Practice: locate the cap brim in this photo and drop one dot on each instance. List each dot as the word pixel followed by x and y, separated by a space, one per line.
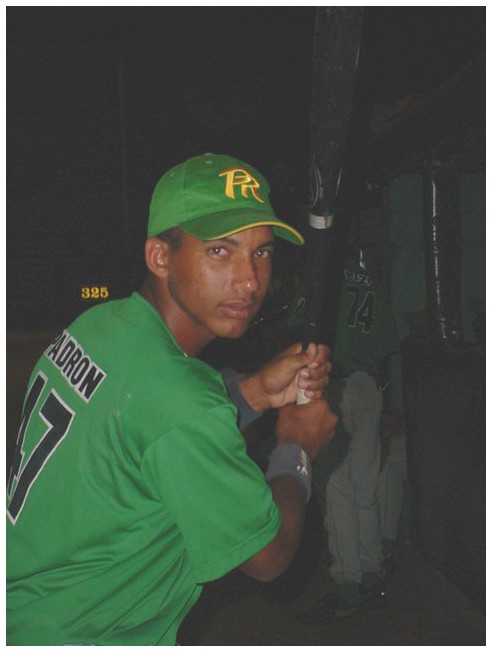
pixel 226 223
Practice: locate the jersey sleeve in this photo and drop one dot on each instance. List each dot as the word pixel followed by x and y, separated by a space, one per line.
pixel 217 495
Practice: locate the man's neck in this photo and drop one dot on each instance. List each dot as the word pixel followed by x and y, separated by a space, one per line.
pixel 190 337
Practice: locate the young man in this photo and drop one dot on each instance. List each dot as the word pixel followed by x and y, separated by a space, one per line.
pixel 130 486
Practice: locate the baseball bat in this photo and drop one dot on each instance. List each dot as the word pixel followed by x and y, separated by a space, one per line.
pixel 336 52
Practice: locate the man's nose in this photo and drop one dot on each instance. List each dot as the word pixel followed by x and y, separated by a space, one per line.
pixel 247 276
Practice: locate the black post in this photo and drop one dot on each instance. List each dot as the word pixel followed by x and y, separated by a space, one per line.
pixel 442 248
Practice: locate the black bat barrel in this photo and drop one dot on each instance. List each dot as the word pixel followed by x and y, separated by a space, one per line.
pixel 336 51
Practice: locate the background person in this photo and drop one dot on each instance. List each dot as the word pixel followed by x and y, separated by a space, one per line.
pixel 347 479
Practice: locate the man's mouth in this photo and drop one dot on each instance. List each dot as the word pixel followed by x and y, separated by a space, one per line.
pixel 238 310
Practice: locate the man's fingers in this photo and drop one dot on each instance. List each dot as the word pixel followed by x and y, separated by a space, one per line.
pixel 322 356
pixel 309 356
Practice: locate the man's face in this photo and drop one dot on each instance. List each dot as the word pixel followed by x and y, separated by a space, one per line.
pixel 217 286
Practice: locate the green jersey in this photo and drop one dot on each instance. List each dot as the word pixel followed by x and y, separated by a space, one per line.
pixel 130 486
pixel 365 331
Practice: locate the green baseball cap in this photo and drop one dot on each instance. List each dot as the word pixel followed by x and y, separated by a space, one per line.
pixel 213 196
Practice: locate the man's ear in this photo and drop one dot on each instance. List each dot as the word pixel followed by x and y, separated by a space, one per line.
pixel 157 256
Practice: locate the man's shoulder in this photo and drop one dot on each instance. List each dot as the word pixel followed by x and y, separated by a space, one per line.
pixel 187 377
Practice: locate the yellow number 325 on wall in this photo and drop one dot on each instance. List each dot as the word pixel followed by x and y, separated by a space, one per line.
pixel 95 292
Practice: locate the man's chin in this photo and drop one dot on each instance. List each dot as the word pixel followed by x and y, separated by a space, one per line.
pixel 234 331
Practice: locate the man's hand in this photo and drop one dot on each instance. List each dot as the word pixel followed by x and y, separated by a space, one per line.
pixel 276 384
pixel 311 426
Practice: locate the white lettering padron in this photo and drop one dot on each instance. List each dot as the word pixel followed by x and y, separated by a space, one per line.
pixel 75 365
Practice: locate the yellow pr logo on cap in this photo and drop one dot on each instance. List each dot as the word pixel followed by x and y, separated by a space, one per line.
pixel 240 177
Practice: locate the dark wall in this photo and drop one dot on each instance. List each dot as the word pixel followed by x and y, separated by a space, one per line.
pixel 102 101
pixel 445 405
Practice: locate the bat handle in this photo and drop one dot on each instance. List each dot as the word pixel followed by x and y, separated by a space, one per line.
pixel 302 399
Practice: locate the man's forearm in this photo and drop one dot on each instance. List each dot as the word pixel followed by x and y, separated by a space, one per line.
pixel 290 499
pixel 274 559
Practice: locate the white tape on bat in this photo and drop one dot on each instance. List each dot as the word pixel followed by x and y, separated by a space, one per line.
pixel 320 221
pixel 302 399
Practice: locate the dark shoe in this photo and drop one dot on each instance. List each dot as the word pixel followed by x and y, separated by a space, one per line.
pixel 374 596
pixel 330 608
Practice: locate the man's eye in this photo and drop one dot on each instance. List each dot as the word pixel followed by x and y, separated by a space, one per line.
pixel 218 251
pixel 264 253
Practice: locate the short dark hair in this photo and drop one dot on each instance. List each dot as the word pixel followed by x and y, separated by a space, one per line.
pixel 173 236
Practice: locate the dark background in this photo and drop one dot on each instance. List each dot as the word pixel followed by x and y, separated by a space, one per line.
pixel 101 101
